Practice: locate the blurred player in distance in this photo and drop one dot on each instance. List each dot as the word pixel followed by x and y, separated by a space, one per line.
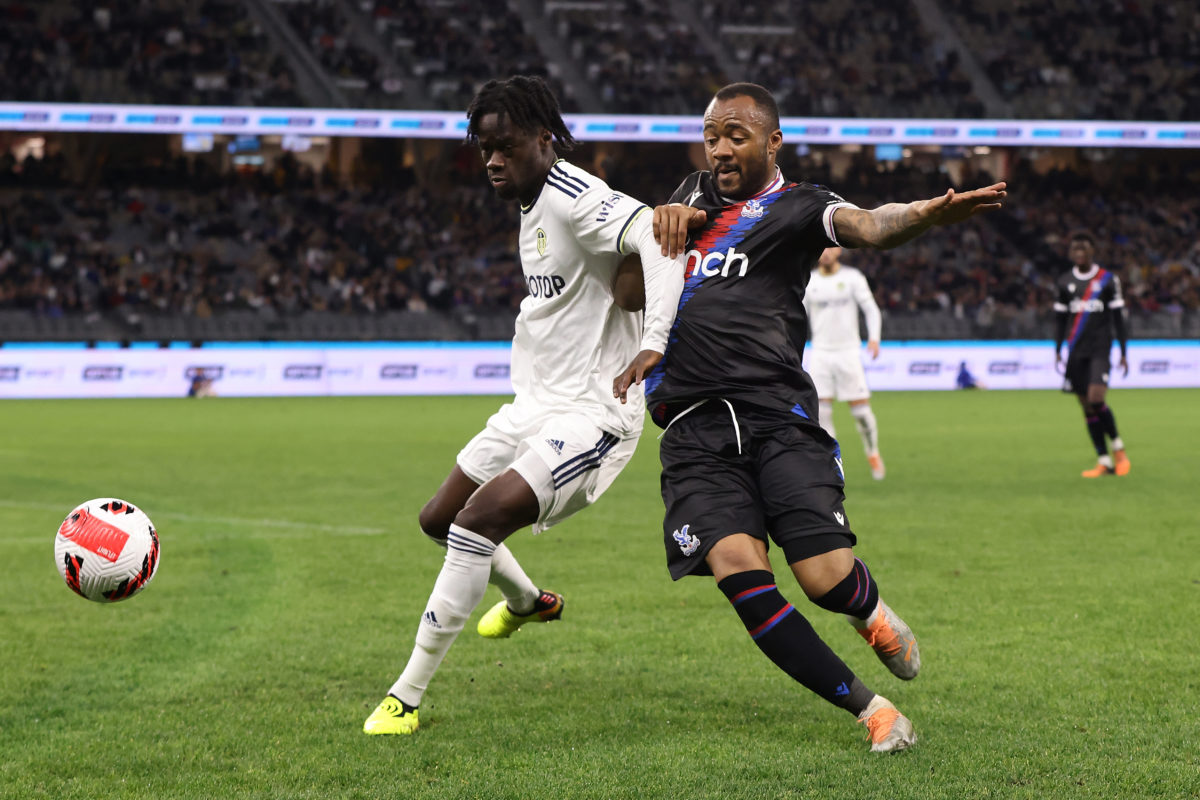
pixel 1089 308
pixel 563 439
pixel 744 460
pixel 832 300
pixel 965 380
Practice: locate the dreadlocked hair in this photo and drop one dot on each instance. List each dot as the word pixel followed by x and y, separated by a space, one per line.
pixel 527 102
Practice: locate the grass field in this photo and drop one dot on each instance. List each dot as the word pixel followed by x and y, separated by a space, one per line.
pixel 1056 616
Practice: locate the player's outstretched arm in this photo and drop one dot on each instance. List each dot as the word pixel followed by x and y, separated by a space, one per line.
pixel 894 224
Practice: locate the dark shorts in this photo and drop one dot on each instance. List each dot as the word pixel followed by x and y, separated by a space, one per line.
pixel 785 486
pixel 1084 371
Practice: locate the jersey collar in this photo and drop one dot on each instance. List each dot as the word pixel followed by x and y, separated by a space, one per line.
pixel 1086 276
pixel 774 186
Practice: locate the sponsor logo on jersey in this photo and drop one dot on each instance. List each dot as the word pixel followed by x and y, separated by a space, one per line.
pixel 545 285
pixel 541 242
pixel 695 194
pixel 1092 304
pixel 710 264
pixel 687 542
pixel 753 209
pixel 608 205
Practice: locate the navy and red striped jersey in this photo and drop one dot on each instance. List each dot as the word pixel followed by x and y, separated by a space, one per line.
pixel 1090 299
pixel 746 271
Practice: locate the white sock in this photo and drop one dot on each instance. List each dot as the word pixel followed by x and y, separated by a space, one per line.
pixel 507 575
pixel 825 412
pixel 459 588
pixel 1117 444
pixel 1106 460
pixel 864 418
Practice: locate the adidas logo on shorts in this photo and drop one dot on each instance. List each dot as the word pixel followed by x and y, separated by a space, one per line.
pixel 556 444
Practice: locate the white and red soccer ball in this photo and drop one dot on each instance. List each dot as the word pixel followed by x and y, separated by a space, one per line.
pixel 106 550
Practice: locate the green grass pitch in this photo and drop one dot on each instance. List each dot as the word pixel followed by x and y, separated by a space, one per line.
pixel 1056 615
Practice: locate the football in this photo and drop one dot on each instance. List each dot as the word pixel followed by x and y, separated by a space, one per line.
pixel 106 550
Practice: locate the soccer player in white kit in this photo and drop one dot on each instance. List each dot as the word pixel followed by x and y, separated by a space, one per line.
pixel 564 438
pixel 834 296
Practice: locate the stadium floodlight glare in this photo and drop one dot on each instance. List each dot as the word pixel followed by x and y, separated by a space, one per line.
pixel 100 117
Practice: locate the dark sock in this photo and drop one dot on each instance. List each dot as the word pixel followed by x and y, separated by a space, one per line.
pixel 856 595
pixel 1096 429
pixel 786 637
pixel 1109 422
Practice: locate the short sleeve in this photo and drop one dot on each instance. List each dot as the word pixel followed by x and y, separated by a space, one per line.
pixel 1117 300
pixel 1062 302
pixel 601 218
pixel 814 215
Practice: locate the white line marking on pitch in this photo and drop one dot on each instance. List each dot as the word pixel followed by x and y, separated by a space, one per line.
pixel 337 530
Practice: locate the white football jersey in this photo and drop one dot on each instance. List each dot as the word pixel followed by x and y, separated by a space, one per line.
pixel 832 303
pixel 571 341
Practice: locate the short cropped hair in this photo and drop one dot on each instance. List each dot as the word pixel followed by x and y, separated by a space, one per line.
pixel 761 97
pixel 1082 236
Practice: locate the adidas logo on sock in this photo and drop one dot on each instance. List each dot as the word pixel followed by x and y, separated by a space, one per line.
pixel 431 620
pixel 557 444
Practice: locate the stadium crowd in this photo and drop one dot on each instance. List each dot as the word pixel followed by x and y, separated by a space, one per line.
pixel 157 51
pixel 1103 60
pixel 1106 60
pixel 290 240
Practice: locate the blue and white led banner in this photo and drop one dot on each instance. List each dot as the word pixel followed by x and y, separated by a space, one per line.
pixel 586 127
pixel 432 368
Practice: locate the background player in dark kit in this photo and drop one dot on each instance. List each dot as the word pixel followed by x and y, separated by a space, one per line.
pixel 1088 309
pixel 743 454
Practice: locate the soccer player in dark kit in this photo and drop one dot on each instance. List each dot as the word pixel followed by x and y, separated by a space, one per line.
pixel 1088 309
pixel 744 459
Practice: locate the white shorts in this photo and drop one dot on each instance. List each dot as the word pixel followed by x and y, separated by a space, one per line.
pixel 838 374
pixel 564 457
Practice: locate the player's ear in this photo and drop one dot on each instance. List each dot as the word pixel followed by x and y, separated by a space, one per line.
pixel 774 142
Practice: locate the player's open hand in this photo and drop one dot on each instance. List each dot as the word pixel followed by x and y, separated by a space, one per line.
pixel 873 349
pixel 955 206
pixel 671 226
pixel 642 363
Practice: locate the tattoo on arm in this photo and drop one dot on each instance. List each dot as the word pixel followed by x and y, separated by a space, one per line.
pixel 888 226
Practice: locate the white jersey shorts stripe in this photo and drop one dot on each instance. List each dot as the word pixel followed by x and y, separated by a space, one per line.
pixel 566 458
pixel 569 470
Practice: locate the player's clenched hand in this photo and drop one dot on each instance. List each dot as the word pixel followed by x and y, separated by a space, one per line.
pixel 642 363
pixel 1124 364
pixel 954 206
pixel 671 225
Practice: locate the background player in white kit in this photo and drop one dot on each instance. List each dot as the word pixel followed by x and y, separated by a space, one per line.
pixel 564 438
pixel 832 301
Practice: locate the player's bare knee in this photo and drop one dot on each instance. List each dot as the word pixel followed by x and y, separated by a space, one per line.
pixel 434 521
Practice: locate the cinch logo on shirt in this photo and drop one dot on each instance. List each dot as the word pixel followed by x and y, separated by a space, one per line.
pixel 545 285
pixel 1094 304
pixel 709 264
